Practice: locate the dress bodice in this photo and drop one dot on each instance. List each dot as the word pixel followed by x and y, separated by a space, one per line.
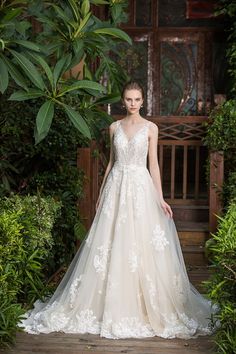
pixel 131 151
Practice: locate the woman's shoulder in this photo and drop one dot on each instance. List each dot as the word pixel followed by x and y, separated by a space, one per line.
pixel 152 126
pixel 113 126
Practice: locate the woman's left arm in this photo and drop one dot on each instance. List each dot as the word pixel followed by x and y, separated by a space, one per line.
pixel 154 167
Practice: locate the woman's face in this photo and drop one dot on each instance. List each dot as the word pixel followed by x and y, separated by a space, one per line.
pixel 132 100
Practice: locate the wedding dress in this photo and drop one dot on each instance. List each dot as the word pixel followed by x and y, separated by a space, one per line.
pixel 128 278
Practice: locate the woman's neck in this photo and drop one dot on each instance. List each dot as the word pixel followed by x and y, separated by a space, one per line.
pixel 131 118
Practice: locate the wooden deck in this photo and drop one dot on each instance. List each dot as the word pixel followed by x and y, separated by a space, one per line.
pixel 59 343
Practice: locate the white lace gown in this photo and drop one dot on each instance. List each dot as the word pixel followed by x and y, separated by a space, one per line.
pixel 128 278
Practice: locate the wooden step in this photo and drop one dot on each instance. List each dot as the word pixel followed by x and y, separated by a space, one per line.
pixel 193 238
pixel 183 225
pixel 192 233
pixel 197 213
pixel 194 255
pixel 197 275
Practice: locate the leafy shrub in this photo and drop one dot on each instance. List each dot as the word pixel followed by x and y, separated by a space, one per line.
pixel 49 167
pixel 228 9
pixel 25 246
pixel 221 136
pixel 221 286
pixel 221 127
pixel 229 188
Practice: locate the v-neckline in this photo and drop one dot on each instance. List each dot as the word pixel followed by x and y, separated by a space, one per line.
pixel 133 136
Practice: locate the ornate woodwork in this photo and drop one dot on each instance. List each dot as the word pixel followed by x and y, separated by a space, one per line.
pixel 178 55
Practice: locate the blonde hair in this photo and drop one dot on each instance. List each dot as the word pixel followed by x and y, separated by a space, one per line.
pixel 132 85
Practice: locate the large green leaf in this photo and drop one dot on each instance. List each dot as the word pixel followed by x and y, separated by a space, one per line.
pixel 107 99
pixel 15 74
pixel 23 95
pixel 74 9
pixel 78 46
pixel 28 45
pixel 44 120
pixel 61 66
pixel 61 14
pixel 29 69
pixel 99 2
pixel 115 32
pixel 4 79
pixel 38 59
pixel 82 24
pixel 85 7
pixel 11 13
pixel 78 121
pixel 83 84
pixel 21 27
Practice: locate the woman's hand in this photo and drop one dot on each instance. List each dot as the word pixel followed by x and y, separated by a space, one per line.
pixel 167 209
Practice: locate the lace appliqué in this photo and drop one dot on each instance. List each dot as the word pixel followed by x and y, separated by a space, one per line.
pixel 132 327
pixel 113 180
pixel 87 322
pixel 133 260
pixel 100 260
pixel 181 287
pixel 159 241
pixel 152 291
pixel 74 289
pixel 127 327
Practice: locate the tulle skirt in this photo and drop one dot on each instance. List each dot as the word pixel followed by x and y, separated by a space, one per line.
pixel 128 279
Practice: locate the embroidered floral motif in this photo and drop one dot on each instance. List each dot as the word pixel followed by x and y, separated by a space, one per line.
pixel 159 241
pixel 73 289
pixel 152 291
pixel 180 287
pixel 126 177
pixel 113 181
pixel 87 322
pixel 132 327
pixel 106 327
pixel 133 260
pixel 100 260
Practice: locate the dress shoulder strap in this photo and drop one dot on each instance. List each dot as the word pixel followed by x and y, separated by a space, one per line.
pixel 117 124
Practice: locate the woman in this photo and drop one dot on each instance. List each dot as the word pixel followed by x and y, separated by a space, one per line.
pixel 128 279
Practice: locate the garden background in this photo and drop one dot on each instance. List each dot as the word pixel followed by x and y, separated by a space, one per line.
pixel 57 76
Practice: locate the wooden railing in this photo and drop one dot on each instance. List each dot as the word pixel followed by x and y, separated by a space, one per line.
pixel 175 134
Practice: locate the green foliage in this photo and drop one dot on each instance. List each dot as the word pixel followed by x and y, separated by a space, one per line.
pixel 221 127
pixel 49 167
pixel 228 9
pixel 25 247
pixel 222 285
pixel 229 188
pixel 38 62
pixel 221 136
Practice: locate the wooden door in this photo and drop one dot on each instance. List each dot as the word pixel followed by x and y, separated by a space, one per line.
pixel 178 57
pixel 173 57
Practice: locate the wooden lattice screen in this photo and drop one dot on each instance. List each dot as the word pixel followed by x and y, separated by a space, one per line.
pixel 181 155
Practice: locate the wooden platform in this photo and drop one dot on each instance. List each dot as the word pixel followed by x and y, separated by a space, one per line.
pixel 58 343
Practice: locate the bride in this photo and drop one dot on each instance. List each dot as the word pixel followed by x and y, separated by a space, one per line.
pixel 128 279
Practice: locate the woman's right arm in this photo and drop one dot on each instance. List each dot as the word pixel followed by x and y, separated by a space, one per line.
pixel 110 163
